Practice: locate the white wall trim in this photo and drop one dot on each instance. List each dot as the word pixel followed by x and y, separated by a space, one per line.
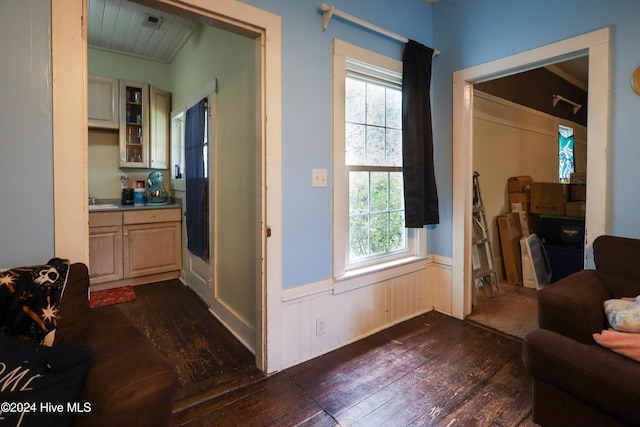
pixel 70 138
pixel 353 314
pixel 566 76
pixel 512 123
pixel 310 290
pixel 597 45
pixel 234 324
pixel 441 261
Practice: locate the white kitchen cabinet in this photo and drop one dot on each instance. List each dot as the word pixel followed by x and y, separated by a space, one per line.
pixel 144 126
pixel 132 247
pixel 103 102
pixel 134 124
pixel 105 247
pixel 160 106
pixel 152 242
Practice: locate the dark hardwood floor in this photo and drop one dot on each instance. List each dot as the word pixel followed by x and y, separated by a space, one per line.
pixel 432 370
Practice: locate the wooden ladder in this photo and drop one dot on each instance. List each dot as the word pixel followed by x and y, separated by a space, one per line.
pixel 484 263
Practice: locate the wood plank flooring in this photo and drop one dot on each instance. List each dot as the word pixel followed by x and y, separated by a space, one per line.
pixel 207 357
pixel 432 370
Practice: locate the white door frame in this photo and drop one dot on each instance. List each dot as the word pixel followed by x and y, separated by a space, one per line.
pixel 596 44
pixel 71 212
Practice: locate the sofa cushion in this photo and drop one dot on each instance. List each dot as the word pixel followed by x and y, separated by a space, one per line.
pixel 37 375
pixel 30 300
pixel 130 382
pixel 74 308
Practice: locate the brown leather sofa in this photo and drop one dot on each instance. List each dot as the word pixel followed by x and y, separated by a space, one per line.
pixel 576 381
pixel 130 382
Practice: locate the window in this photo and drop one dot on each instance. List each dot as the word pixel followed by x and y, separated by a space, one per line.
pixel 205 145
pixel 373 159
pixel 177 145
pixel 369 228
pixel 566 161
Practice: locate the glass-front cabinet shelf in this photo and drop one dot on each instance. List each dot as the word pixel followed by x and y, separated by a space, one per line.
pixel 134 124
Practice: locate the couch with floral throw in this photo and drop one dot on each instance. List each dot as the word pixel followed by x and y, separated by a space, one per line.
pixel 63 363
pixel 587 372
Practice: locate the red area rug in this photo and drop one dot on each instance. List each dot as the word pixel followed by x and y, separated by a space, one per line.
pixel 112 296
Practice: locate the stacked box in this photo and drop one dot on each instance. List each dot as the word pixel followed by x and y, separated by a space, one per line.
pixel 575 209
pixel 519 199
pixel 510 234
pixel 576 206
pixel 577 192
pixel 519 184
pixel 549 198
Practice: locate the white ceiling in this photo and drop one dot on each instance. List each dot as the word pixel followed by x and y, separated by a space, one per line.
pixel 126 27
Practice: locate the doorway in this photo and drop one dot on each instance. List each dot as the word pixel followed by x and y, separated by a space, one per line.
pixel 516 130
pixel 70 141
pixel 594 44
pixel 226 274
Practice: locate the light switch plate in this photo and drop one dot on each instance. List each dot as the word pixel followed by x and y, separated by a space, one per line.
pixel 318 178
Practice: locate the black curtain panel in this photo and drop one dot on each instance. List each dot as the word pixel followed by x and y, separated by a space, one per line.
pixel 420 194
pixel 197 183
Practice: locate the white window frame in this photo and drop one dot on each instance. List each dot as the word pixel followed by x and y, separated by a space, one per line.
pixel 343 54
pixel 177 149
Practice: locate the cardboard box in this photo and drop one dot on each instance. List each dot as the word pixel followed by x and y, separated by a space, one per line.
pixel 519 207
pixel 577 193
pixel 517 184
pixel 510 234
pixel 549 198
pixel 523 223
pixel 520 197
pixel 576 209
pixel 519 201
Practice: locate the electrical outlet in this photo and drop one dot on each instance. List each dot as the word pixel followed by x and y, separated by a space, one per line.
pixel 320 326
pixel 318 177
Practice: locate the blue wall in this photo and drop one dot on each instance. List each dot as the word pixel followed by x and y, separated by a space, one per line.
pixel 467 32
pixel 471 32
pixel 26 152
pixel 307 109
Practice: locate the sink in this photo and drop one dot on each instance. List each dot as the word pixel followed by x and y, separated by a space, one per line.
pixel 102 207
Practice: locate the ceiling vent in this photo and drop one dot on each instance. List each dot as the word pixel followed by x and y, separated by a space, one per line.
pixel 153 22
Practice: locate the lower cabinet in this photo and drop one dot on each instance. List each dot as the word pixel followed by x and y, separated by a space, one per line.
pixel 152 241
pixel 105 246
pixel 134 247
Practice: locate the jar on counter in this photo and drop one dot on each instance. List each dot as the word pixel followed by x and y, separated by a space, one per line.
pixel 138 196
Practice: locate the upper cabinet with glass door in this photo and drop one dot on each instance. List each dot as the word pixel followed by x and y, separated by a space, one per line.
pixel 134 124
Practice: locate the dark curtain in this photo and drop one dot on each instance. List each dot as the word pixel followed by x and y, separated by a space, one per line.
pixel 197 182
pixel 420 194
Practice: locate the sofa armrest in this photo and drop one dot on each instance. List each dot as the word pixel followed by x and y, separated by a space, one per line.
pixel 593 374
pixel 573 306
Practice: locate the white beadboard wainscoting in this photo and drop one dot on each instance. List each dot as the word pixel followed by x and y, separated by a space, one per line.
pixel 350 313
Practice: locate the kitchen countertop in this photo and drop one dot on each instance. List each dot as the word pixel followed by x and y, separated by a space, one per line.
pixel 111 205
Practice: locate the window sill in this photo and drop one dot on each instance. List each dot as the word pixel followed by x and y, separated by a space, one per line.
pixel 367 276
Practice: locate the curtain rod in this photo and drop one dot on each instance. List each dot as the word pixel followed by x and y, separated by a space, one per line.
pixel 329 11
